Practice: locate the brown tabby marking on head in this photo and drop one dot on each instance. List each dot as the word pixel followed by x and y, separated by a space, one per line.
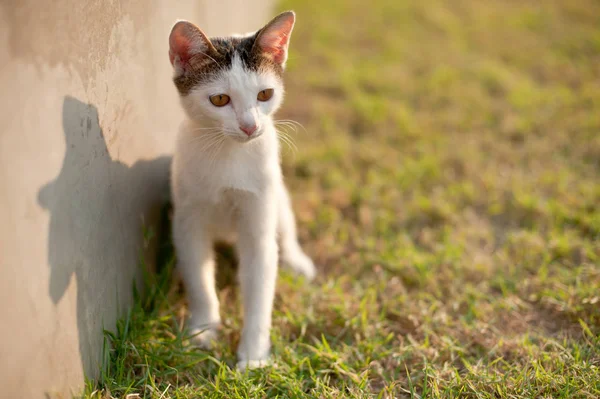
pixel 203 68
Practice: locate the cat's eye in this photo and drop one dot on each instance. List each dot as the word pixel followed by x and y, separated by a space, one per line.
pixel 265 95
pixel 220 100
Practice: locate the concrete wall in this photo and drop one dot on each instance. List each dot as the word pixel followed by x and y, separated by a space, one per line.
pixel 87 121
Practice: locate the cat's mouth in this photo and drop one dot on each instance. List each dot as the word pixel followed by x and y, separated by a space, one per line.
pixel 244 138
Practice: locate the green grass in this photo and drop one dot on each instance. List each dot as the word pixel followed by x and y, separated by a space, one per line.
pixel 448 187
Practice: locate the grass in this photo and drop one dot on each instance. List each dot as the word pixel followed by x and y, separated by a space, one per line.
pixel 447 185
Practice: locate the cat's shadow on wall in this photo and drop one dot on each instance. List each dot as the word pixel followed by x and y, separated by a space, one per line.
pixel 96 205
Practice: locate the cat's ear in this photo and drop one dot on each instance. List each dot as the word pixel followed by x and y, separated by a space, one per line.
pixel 273 40
pixel 186 41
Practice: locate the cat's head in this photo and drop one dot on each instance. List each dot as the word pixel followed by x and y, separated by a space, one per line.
pixel 235 83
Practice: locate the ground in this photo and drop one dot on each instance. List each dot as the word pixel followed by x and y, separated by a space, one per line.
pixel 447 183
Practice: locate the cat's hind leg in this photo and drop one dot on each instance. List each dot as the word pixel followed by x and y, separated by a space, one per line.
pixel 292 255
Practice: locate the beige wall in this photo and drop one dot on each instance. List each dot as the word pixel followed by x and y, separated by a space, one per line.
pixel 87 121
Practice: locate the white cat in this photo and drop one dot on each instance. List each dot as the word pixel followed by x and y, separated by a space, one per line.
pixel 226 176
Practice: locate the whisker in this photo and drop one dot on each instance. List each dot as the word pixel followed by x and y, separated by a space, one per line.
pixel 286 128
pixel 287 140
pixel 207 134
pixel 290 122
pixel 292 143
pixel 208 142
pixel 206 130
pixel 216 150
pixel 204 139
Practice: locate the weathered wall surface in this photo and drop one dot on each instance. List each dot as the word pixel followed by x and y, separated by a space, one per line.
pixel 88 115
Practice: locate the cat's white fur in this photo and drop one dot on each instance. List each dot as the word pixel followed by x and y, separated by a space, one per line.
pixel 226 186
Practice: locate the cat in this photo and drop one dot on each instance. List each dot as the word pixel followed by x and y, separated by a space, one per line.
pixel 226 176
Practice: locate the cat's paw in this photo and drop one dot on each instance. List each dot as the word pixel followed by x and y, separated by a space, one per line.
pixel 254 350
pixel 300 263
pixel 244 365
pixel 203 338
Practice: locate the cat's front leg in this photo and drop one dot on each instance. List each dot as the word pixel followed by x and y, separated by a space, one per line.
pixel 195 261
pixel 257 248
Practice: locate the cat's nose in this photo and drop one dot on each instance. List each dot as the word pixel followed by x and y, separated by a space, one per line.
pixel 248 129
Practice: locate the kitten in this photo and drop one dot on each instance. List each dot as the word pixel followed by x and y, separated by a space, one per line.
pixel 226 176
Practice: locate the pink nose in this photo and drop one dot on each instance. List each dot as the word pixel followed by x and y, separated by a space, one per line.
pixel 248 130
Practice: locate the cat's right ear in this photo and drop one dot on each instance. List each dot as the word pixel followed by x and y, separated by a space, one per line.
pixel 185 42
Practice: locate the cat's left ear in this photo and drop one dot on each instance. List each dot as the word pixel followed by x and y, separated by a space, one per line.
pixel 273 40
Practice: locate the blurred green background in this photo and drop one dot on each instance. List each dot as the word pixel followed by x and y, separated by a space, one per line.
pixel 447 183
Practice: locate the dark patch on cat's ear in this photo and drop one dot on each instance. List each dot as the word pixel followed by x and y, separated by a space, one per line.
pixel 188 46
pixel 273 40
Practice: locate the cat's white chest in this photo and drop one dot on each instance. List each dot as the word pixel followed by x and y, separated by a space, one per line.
pixel 241 170
pixel 207 176
pixel 244 168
